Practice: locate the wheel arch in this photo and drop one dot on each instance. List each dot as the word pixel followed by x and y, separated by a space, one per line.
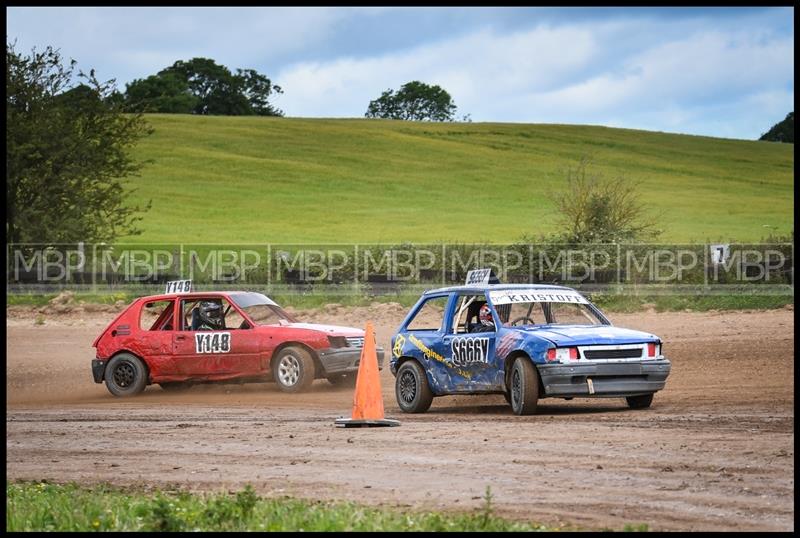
pixel 508 363
pixel 404 359
pixel 423 397
pixel 129 352
pixel 318 369
pixel 431 381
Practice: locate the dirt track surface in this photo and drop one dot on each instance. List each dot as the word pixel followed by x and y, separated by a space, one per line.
pixel 714 452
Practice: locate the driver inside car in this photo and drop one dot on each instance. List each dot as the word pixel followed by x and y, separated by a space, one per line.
pixel 486 320
pixel 208 316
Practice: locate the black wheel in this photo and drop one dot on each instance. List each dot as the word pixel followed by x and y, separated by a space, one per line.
pixel 293 369
pixel 411 388
pixel 524 387
pixel 175 386
pixel 126 375
pixel 507 396
pixel 342 380
pixel 642 401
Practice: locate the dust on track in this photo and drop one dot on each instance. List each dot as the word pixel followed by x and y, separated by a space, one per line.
pixel 715 452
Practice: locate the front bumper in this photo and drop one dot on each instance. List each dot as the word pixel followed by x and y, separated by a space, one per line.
pixel 98 370
pixel 344 360
pixel 604 379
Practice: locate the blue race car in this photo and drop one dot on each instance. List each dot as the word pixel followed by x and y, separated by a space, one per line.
pixel 526 341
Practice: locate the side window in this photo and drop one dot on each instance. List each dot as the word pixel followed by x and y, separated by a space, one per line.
pixel 190 315
pixel 466 315
pixel 430 316
pixel 157 316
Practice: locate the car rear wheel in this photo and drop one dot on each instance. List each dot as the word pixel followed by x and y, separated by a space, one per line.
pixel 293 369
pixel 642 401
pixel 174 386
pixel 125 375
pixel 411 388
pixel 524 387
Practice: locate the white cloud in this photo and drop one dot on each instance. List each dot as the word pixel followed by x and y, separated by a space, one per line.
pixel 471 68
pixel 685 85
pixel 129 43
pixel 701 74
pixel 577 73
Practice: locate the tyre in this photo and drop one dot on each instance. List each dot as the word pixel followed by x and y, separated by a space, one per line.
pixel 524 387
pixel 411 388
pixel 126 375
pixel 293 369
pixel 342 380
pixel 175 386
pixel 642 401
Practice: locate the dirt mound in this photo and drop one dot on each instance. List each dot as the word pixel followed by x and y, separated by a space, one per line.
pixel 64 304
pixel 63 298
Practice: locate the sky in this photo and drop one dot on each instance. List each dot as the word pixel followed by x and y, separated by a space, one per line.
pixel 723 72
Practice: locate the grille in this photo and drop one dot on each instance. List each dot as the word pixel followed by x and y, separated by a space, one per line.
pixel 355 341
pixel 613 353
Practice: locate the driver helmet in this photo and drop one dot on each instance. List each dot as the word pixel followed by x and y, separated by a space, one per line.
pixel 485 316
pixel 211 313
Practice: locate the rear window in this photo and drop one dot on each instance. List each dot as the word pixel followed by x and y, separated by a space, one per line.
pixel 430 316
pixel 157 316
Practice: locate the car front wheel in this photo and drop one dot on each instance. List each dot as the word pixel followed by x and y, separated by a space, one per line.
pixel 125 375
pixel 411 388
pixel 524 387
pixel 293 369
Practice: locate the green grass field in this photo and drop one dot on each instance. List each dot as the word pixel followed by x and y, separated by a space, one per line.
pixel 32 506
pixel 289 180
pixel 609 302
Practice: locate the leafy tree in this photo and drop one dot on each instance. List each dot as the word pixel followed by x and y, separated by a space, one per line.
pixel 66 153
pixel 414 101
pixel 167 93
pixel 782 131
pixel 201 86
pixel 595 209
pixel 257 89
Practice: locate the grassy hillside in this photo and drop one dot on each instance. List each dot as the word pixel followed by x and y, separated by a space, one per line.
pixel 246 179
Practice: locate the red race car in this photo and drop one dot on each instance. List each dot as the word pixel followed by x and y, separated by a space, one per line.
pixel 179 339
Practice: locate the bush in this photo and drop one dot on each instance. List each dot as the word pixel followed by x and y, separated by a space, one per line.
pixel 595 209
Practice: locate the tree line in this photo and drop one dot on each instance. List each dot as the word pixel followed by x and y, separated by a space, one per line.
pixel 202 86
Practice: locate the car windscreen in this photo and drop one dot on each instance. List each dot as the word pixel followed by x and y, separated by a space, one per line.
pixel 261 309
pixel 536 307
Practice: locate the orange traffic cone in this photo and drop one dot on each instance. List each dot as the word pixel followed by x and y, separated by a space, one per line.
pixel 367 400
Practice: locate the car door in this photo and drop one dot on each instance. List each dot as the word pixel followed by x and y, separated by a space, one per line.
pixel 423 333
pixel 470 346
pixel 156 321
pixel 215 354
